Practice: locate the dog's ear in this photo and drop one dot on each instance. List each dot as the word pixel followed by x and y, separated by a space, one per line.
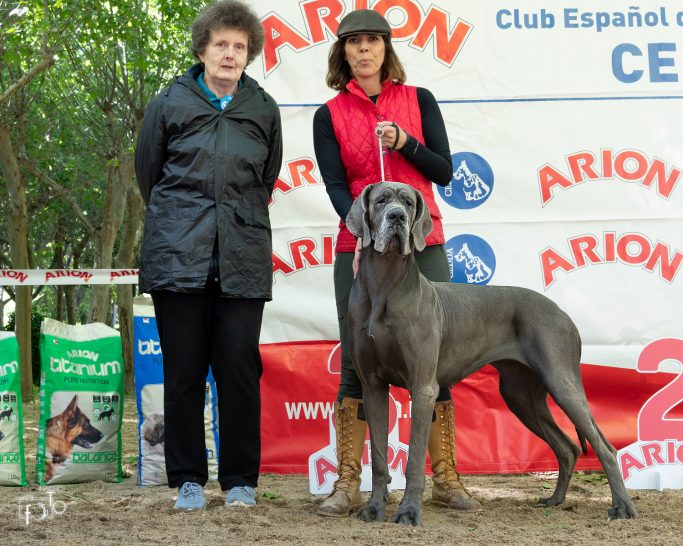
pixel 72 413
pixel 71 408
pixel 422 225
pixel 358 218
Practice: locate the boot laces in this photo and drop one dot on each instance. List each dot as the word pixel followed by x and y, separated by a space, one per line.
pixel 347 469
pixel 446 467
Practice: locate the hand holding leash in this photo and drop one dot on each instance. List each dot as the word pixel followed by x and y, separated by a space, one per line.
pixel 393 137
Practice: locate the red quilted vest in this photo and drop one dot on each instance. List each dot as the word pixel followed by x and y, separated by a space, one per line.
pixel 354 118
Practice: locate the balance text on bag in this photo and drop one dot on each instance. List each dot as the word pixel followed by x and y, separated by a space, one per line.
pixel 12 471
pixel 81 403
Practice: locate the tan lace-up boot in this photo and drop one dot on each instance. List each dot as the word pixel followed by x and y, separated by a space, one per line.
pixel 345 497
pixel 447 489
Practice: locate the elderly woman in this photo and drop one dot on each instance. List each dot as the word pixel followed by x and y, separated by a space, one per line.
pixel 209 152
pixel 366 71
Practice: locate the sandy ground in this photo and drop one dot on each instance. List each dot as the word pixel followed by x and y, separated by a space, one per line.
pixel 104 513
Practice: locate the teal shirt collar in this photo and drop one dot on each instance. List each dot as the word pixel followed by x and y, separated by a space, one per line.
pixel 219 103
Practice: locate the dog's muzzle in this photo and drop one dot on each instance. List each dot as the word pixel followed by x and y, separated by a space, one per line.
pixel 393 231
pixel 397 215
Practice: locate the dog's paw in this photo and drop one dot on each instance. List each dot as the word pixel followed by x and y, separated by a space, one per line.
pixel 408 515
pixel 622 509
pixel 371 512
pixel 550 501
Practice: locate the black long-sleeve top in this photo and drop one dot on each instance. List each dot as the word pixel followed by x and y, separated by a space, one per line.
pixel 432 159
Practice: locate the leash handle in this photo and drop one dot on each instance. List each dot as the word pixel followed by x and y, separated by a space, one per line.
pixel 379 131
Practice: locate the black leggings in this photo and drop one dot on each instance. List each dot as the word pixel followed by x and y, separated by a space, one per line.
pixel 433 265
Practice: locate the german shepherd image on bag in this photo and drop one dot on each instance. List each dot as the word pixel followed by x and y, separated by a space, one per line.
pixel 6 414
pixel 64 431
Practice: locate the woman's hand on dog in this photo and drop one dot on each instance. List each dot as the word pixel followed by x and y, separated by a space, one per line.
pixel 356 257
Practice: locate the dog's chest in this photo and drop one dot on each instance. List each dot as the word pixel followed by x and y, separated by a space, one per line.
pixel 389 360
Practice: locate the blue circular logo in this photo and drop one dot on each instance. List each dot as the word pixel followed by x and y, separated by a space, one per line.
pixel 472 181
pixel 471 259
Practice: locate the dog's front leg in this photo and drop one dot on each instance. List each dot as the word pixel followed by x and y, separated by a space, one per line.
pixel 376 406
pixel 410 510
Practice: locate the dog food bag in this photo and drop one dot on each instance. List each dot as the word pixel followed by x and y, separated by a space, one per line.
pixel 12 469
pixel 149 390
pixel 81 403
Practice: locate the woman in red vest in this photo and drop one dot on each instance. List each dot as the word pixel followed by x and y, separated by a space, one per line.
pixel 366 71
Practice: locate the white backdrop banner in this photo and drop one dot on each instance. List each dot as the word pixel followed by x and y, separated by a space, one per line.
pixel 483 50
pixel 563 121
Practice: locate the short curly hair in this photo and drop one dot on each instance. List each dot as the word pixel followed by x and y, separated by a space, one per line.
pixel 227 14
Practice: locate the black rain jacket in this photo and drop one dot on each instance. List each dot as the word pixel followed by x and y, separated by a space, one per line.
pixel 205 174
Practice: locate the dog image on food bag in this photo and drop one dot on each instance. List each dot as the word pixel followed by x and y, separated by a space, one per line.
pixel 153 429
pixel 6 414
pixel 106 413
pixel 152 460
pixel 65 430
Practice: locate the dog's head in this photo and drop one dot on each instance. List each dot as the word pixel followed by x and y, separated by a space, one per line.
pixel 79 430
pixel 393 215
pixel 153 428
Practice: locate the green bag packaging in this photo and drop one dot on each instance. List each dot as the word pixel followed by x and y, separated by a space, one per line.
pixel 12 469
pixel 81 403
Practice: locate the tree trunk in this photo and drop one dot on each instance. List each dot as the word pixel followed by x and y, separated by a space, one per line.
pixel 18 239
pixel 70 301
pixel 119 178
pixel 22 315
pixel 71 292
pixel 59 264
pixel 125 258
pixel 125 303
pixel 59 304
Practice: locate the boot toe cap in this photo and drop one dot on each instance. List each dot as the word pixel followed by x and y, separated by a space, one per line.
pixel 338 505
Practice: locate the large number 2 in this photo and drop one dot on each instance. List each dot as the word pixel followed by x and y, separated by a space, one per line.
pixel 652 421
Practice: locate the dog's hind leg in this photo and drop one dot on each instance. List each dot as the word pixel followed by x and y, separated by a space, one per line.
pixel 564 384
pixel 526 397
pixel 376 406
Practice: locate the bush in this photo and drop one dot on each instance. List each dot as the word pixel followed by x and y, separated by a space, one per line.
pixel 36 321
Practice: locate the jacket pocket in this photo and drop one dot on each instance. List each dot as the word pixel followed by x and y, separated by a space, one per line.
pixel 176 209
pixel 253 218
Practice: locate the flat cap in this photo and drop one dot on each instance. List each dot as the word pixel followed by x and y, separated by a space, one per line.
pixel 363 21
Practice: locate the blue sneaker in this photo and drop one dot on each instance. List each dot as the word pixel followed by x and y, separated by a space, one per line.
pixel 241 496
pixel 190 497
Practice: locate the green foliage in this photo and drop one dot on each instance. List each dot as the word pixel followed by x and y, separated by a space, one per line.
pixel 36 321
pixel 592 476
pixel 77 120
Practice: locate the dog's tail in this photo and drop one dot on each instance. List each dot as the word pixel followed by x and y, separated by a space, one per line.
pixel 582 441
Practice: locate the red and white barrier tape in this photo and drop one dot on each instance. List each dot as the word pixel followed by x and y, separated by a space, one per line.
pixel 53 277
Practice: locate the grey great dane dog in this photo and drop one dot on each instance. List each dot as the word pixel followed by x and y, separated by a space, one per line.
pixel 407 331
